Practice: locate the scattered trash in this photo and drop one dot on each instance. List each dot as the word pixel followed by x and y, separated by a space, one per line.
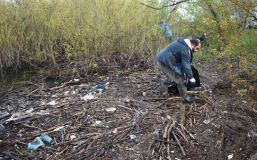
pixel 207 121
pixel 29 110
pixel 72 137
pixel 98 122
pixel 52 103
pixel 111 109
pixel 168 117
pixel 76 79
pixel 46 138
pixel 78 124
pixel 62 128
pixel 127 100
pixel 230 156
pixel 54 96
pixel 35 144
pixel 225 112
pixel 132 136
pixel 100 85
pixel 115 131
pixel 40 141
pixel 89 96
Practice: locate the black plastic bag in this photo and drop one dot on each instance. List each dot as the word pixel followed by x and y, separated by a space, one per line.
pixel 172 89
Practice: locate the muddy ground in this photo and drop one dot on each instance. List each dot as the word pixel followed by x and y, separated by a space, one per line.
pixel 123 116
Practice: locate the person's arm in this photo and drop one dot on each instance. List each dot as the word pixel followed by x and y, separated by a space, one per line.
pixel 186 64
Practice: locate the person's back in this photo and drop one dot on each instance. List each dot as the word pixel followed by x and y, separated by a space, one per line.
pixel 173 54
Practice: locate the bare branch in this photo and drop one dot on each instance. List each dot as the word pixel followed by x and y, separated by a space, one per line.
pixel 169 5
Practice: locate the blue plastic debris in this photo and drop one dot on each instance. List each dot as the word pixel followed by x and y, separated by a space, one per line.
pixel 100 85
pixel 39 141
pixel 46 138
pixel 35 144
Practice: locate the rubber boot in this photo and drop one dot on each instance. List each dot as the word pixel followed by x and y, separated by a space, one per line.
pixel 164 88
pixel 183 93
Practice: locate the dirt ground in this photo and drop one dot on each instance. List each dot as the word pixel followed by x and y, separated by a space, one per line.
pixel 122 116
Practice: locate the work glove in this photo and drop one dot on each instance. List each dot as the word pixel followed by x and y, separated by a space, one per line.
pixel 193 82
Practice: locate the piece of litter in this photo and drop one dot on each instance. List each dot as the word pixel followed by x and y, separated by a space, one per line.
pixel 89 96
pixel 29 110
pixel 39 141
pixel 132 137
pixel 230 156
pixel 207 121
pixel 72 137
pixel 98 122
pixel 127 100
pixel 225 112
pixel 52 103
pixel 144 94
pixel 59 128
pixel 168 117
pixel 46 138
pixel 54 96
pixel 100 85
pixel 76 80
pixel 111 109
pixel 35 144
pixel 115 131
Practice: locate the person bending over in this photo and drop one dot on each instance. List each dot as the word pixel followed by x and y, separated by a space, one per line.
pixel 175 61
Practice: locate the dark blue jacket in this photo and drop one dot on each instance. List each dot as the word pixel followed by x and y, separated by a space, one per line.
pixel 177 56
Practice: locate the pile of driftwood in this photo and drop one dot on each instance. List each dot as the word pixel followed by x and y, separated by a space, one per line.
pixel 91 120
pixel 174 135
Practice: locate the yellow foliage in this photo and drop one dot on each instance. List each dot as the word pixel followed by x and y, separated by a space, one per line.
pixel 77 29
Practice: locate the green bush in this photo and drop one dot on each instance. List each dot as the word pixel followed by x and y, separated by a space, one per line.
pixel 77 30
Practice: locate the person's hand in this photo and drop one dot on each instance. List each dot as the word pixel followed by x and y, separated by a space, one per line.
pixel 192 81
